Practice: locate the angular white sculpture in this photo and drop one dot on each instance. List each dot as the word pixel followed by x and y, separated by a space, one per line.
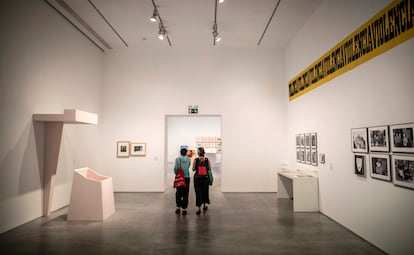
pixel 53 136
pixel 92 197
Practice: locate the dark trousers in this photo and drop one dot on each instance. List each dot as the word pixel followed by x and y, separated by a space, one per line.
pixel 181 195
pixel 201 186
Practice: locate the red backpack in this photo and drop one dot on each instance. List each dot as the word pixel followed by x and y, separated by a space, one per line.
pixel 202 167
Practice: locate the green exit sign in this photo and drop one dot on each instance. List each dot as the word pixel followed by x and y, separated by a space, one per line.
pixel 193 109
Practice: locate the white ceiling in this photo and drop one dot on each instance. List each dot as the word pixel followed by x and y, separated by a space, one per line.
pixel 190 22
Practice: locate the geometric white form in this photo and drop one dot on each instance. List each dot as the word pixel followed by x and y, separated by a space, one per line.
pixel 302 187
pixel 92 196
pixel 53 135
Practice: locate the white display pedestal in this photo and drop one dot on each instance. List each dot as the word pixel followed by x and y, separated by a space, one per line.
pixel 302 187
pixel 92 196
pixel 53 136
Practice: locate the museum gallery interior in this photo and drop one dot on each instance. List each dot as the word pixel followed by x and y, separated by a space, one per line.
pixel 304 108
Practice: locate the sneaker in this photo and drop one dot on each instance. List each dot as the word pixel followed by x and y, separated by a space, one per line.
pixel 184 212
pixel 198 212
pixel 177 211
pixel 205 208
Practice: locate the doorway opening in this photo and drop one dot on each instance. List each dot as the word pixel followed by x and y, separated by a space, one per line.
pixel 192 132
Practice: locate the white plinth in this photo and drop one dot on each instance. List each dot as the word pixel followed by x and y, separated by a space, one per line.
pixel 302 187
pixel 92 196
pixel 70 116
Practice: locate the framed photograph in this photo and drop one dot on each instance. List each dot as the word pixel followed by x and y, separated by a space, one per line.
pixel 378 139
pixel 302 156
pixel 314 142
pixel 122 149
pixel 402 138
pixel 314 157
pixel 302 140
pixel 360 164
pixel 297 140
pixel 359 140
pixel 308 156
pixel 380 166
pixel 298 155
pixel 307 140
pixel 138 149
pixel 403 166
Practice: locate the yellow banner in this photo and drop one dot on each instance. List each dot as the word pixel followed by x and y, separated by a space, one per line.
pixel 390 27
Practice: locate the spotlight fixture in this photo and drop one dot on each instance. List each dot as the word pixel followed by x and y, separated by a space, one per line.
pixel 161 32
pixel 154 17
pixel 216 36
pixel 221 1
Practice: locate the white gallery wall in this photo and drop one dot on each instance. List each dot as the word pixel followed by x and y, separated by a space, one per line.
pixel 243 85
pixel 46 66
pixel 378 92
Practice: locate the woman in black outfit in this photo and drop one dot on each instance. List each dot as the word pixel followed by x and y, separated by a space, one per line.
pixel 201 167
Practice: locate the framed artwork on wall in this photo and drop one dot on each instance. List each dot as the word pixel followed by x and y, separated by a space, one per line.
pixel 314 157
pixel 378 139
pixel 302 155
pixel 297 140
pixel 314 142
pixel 307 141
pixel 308 156
pixel 138 149
pixel 403 166
pixel 302 140
pixel 360 164
pixel 359 140
pixel 298 155
pixel 380 166
pixel 122 149
pixel 402 138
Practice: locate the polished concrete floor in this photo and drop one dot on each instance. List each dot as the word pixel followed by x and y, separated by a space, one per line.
pixel 145 223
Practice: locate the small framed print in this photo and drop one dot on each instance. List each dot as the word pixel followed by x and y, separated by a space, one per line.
pixel 302 140
pixel 314 157
pixel 297 140
pixel 307 140
pixel 298 155
pixel 302 156
pixel 378 139
pixel 360 164
pixel 138 149
pixel 313 141
pixel 403 166
pixel 359 140
pixel 308 156
pixel 402 138
pixel 380 166
pixel 122 148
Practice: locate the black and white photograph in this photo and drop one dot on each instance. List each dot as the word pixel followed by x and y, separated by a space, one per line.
pixel 314 142
pixel 359 140
pixel 138 149
pixel 360 164
pixel 403 166
pixel 297 140
pixel 378 139
pixel 308 156
pixel 302 140
pixel 307 141
pixel 314 157
pixel 122 149
pixel 298 155
pixel 402 138
pixel 380 166
pixel 302 156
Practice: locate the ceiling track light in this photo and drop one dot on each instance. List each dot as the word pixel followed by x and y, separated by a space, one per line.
pixel 154 17
pixel 162 32
pixel 216 37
